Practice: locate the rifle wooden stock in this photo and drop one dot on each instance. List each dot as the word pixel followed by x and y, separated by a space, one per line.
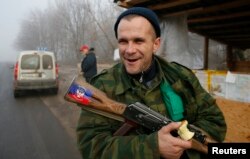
pixel 99 99
pixel 102 105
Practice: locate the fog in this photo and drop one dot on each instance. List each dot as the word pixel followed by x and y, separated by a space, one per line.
pixel 11 14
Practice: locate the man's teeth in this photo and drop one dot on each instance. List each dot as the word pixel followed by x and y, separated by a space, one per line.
pixel 131 60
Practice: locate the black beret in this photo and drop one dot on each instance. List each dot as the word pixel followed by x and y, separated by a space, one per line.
pixel 144 12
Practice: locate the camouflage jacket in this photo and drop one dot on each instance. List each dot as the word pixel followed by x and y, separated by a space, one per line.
pixel 94 132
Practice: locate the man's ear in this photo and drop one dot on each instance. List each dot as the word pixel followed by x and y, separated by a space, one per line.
pixel 157 44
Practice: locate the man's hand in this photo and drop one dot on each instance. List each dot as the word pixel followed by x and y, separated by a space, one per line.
pixel 171 147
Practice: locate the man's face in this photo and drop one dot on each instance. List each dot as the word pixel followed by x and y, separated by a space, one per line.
pixel 85 51
pixel 137 43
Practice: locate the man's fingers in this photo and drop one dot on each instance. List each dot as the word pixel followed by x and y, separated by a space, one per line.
pixel 182 143
pixel 177 141
pixel 170 127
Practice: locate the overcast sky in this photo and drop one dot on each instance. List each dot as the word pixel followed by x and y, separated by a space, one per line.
pixel 11 14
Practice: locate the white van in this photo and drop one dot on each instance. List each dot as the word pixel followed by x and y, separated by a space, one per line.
pixel 35 70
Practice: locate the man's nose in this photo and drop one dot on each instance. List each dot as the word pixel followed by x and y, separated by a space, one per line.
pixel 130 48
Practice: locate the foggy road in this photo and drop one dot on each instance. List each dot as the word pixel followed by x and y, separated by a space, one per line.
pixel 28 130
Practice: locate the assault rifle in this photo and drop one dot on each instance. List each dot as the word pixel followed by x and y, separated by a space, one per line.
pixel 92 99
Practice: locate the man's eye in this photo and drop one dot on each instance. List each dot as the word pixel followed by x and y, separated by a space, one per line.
pixel 122 42
pixel 139 41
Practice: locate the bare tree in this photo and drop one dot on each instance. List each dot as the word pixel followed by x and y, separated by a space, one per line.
pixel 31 32
pixel 67 24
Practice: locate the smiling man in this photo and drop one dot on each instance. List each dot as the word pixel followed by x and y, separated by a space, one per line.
pixel 167 88
pixel 137 43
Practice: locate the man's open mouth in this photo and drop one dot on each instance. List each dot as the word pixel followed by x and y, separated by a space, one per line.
pixel 132 60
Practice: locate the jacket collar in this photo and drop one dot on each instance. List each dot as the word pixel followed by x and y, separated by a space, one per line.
pixel 126 81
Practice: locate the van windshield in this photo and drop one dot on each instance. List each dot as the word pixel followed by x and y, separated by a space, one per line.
pixel 30 62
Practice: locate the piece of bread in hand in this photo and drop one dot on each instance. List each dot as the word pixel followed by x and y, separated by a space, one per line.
pixel 184 132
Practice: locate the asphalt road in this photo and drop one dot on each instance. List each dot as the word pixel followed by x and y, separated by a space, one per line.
pixel 28 129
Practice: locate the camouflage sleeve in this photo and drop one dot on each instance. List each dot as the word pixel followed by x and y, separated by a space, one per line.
pixel 209 116
pixel 95 139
